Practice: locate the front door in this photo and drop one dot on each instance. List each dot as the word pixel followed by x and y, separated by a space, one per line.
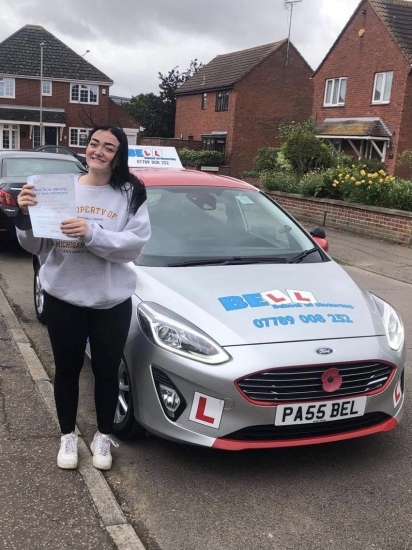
pixel 50 136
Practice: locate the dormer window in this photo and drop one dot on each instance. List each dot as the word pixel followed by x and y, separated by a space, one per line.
pixel 335 92
pixel 84 93
pixel 382 87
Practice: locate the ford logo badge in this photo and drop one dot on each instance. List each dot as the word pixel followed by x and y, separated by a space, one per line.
pixel 324 351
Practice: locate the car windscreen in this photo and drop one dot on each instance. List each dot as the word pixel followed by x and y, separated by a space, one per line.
pixel 24 167
pixel 193 224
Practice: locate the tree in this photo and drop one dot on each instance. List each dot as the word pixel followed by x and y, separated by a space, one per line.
pixel 168 84
pixel 148 109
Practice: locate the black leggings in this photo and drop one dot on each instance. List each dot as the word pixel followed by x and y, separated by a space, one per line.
pixel 69 326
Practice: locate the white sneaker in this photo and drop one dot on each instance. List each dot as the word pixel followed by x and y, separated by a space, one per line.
pixel 67 457
pixel 100 447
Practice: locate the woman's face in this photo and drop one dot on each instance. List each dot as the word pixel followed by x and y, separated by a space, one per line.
pixel 101 151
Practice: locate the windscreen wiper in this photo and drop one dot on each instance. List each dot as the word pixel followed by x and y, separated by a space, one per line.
pixel 303 255
pixel 235 260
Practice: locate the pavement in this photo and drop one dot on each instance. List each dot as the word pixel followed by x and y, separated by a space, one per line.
pixel 45 508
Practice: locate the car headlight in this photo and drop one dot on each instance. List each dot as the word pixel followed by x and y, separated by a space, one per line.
pixel 392 322
pixel 174 333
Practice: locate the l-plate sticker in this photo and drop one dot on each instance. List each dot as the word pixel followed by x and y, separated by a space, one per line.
pixel 397 394
pixel 206 410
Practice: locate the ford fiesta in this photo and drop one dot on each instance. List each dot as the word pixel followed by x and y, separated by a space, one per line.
pixel 245 334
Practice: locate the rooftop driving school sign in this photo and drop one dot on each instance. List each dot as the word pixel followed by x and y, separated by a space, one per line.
pixel 153 157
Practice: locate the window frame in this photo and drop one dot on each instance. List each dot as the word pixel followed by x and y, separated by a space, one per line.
pixel 4 80
pixel 384 79
pixel 11 129
pixel 338 80
pixel 204 101
pixel 79 132
pixel 222 100
pixel 89 90
pixel 42 88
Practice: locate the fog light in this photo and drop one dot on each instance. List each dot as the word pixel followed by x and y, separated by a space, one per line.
pixel 170 398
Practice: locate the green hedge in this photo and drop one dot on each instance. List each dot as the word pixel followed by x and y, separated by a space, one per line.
pixel 189 157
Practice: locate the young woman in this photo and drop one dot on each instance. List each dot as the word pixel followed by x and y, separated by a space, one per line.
pixel 88 284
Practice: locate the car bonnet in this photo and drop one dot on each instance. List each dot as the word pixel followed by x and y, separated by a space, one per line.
pixel 255 304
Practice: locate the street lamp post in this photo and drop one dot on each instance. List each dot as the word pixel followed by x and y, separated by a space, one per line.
pixel 42 44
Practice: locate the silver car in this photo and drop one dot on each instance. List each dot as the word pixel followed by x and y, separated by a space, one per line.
pixel 245 334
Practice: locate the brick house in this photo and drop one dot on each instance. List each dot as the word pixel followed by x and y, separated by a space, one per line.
pixel 235 103
pixel 74 94
pixel 363 87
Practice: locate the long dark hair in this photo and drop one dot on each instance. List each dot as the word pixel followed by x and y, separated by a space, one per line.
pixel 121 174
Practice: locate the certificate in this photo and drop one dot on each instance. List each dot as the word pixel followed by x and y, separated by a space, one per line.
pixel 56 202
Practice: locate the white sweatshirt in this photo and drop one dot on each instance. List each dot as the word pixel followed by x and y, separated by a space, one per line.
pixel 93 272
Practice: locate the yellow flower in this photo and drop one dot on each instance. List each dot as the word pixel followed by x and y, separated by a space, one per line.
pixel 362 181
pixel 353 178
pixel 370 182
pixel 340 175
pixel 363 173
pixel 364 165
pixel 380 180
pixel 370 175
pixel 382 172
pixel 347 177
pixel 375 175
pixel 392 178
pixel 358 183
pixel 335 182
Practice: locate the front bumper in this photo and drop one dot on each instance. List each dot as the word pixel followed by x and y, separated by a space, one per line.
pixel 217 414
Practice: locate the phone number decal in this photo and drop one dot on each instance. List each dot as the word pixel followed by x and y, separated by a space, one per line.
pixel 306 319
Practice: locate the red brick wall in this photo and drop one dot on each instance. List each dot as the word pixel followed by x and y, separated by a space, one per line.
pixel 270 94
pixel 380 223
pixel 192 120
pixel 358 58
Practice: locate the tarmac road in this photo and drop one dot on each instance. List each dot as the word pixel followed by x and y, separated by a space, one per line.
pixel 354 495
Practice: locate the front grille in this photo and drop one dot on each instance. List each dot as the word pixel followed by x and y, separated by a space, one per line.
pixel 270 432
pixel 305 383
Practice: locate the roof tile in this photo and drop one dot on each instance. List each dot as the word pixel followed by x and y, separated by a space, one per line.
pixel 397 17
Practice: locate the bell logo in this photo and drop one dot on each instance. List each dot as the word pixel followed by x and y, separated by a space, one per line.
pixel 206 410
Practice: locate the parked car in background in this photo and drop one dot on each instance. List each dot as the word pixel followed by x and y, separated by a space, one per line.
pixel 245 333
pixel 15 167
pixel 59 149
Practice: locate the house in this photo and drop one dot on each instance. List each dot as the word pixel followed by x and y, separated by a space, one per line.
pixel 363 87
pixel 51 95
pixel 235 103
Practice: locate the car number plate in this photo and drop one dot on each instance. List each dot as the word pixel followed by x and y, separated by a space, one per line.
pixel 309 413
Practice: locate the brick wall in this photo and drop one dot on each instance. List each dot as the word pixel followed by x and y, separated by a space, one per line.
pixel 358 58
pixel 119 117
pixel 172 142
pixel 380 223
pixel 270 94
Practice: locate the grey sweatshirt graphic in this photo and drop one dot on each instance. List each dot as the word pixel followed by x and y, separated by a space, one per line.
pixel 93 272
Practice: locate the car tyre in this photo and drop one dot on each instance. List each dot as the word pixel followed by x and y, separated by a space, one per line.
pixel 38 295
pixel 125 425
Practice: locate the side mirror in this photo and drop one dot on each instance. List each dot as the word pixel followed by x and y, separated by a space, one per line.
pixel 318 232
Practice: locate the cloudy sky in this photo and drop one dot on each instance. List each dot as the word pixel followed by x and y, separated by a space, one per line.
pixel 132 40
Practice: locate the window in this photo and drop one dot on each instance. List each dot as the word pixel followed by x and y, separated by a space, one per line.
pixel 204 101
pixel 9 136
pixel 214 144
pixel 6 87
pixel 46 87
pixel 36 136
pixel 382 87
pixel 84 93
pixel 78 137
pixel 335 92
pixel 22 167
pixel 222 100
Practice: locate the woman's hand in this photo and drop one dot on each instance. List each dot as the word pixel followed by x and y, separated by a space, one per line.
pixel 26 198
pixel 75 227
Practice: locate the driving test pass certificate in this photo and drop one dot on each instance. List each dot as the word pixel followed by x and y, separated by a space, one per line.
pixel 56 202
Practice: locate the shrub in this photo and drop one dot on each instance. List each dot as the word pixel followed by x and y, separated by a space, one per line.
pixel 266 159
pixel 306 153
pixel 280 181
pixel 189 157
pixel 400 195
pixel 318 184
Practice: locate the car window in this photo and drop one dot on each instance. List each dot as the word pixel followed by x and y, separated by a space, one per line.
pixel 24 167
pixel 210 222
